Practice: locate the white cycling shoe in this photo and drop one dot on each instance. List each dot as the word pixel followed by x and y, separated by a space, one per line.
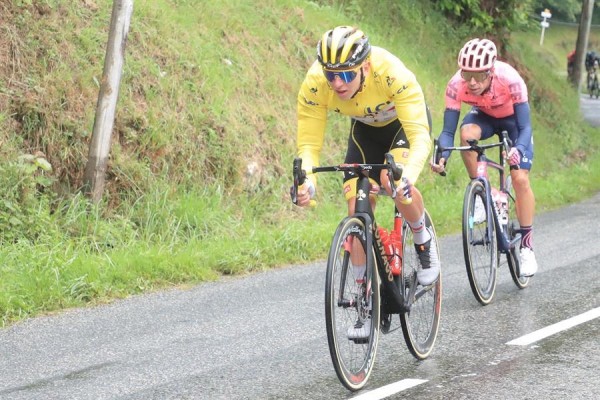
pixel 430 262
pixel 479 211
pixel 361 330
pixel 529 264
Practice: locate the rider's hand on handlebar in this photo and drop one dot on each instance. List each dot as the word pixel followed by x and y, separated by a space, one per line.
pixel 405 191
pixel 306 193
pixel 514 156
pixel 438 168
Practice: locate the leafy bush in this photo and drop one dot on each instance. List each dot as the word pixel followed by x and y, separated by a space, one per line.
pixel 492 18
pixel 25 203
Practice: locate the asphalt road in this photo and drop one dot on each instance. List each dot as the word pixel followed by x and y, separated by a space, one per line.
pixel 263 336
pixel 590 109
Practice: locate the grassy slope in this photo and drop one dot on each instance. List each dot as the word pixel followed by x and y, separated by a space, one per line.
pixel 204 138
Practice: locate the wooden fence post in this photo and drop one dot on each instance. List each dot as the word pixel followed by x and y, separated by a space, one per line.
pixel 107 100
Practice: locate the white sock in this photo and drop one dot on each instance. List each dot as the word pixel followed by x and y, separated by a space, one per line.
pixel 359 272
pixel 420 233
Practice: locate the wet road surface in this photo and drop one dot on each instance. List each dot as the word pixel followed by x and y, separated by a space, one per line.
pixel 263 336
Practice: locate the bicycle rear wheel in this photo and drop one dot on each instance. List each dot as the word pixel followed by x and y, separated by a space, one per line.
pixel 480 246
pixel 513 257
pixel 420 324
pixel 350 299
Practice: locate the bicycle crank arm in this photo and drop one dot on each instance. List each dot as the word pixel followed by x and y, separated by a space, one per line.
pixel 515 240
pixel 345 303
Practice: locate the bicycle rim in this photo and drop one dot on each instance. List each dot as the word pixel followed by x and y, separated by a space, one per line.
pixel 420 324
pixel 480 246
pixel 345 302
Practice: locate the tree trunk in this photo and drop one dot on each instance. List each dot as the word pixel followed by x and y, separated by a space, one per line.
pixel 582 41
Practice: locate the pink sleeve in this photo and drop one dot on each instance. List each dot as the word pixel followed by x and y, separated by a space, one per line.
pixel 516 84
pixel 453 100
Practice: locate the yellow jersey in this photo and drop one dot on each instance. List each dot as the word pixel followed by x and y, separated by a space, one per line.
pixel 390 91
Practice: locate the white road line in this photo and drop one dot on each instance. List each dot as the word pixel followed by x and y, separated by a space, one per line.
pixel 388 390
pixel 558 327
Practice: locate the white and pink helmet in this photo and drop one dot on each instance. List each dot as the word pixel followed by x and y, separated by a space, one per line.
pixel 477 55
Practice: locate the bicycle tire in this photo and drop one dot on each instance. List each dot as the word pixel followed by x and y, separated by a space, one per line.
pixel 513 256
pixel 345 299
pixel 480 251
pixel 421 323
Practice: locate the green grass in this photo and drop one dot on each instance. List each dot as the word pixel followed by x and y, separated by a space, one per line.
pixel 204 137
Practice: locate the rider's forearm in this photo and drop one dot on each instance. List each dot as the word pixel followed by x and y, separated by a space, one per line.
pixel 446 138
pixel 523 116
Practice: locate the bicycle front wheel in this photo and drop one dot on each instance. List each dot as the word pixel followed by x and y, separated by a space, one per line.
pixel 480 246
pixel 352 303
pixel 420 324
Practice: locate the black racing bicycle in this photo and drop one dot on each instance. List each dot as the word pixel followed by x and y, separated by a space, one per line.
pixel 371 296
pixel 488 226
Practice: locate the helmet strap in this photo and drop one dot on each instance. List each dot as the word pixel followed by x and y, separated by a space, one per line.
pixel 362 82
pixel 487 89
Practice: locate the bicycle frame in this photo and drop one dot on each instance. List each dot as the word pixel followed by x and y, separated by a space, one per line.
pixel 397 302
pixel 364 211
pixel 483 165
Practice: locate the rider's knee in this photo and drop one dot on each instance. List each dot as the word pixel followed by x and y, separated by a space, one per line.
pixel 520 181
pixel 470 131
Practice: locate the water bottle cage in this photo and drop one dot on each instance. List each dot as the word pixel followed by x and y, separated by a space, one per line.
pixel 391 250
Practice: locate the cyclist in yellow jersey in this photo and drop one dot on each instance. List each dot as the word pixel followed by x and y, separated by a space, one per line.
pixel 387 113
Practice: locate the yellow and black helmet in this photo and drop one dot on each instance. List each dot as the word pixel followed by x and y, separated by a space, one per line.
pixel 343 47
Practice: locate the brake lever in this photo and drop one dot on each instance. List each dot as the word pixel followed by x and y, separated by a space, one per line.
pixel 389 159
pixel 507 146
pixel 437 154
pixel 299 176
pixel 395 174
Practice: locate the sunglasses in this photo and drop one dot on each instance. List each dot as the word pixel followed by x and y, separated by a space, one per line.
pixel 479 76
pixel 345 76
